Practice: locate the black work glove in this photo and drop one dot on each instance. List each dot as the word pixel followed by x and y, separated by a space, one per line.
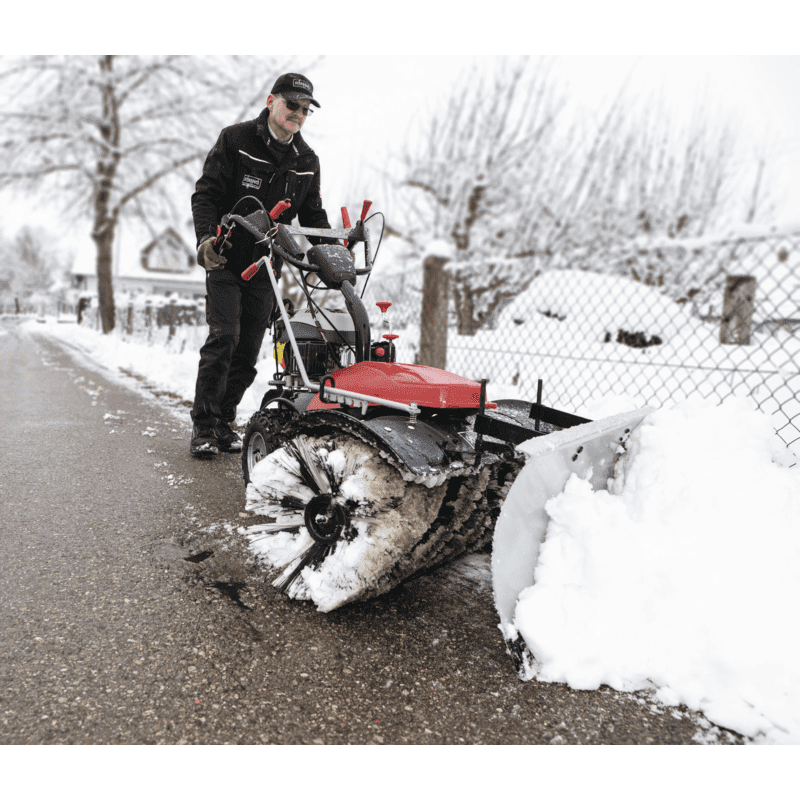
pixel 207 258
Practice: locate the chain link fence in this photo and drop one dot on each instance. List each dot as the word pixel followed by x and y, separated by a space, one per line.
pixel 660 324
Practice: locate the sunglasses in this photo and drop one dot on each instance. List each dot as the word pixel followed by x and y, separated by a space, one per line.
pixel 292 106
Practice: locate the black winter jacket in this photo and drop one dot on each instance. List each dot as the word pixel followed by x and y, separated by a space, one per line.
pixel 241 163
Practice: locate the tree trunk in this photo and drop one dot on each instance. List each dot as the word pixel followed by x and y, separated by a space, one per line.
pixel 435 302
pixel 104 220
pixel 465 307
pixel 105 289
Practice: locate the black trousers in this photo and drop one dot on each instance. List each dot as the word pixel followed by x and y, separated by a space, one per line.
pixel 238 315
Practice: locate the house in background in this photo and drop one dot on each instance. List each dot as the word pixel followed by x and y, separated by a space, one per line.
pixel 166 265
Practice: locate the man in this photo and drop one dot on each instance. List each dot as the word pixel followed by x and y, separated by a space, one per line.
pixel 268 159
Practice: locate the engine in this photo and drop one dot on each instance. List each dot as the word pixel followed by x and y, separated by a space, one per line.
pixel 326 344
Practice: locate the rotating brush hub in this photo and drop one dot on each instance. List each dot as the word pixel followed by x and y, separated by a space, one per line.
pixel 325 519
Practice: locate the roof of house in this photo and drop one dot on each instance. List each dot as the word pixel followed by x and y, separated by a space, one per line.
pixel 138 257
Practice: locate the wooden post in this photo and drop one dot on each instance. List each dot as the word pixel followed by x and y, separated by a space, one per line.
pixel 737 309
pixel 435 302
pixel 172 316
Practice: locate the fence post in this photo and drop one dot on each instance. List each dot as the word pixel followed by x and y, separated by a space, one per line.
pixel 172 318
pixel 435 303
pixel 148 318
pixel 737 309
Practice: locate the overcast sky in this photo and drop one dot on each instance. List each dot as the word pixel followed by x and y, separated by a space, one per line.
pixel 369 103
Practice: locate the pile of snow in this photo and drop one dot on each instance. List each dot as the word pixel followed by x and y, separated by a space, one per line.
pixel 571 296
pixel 685 575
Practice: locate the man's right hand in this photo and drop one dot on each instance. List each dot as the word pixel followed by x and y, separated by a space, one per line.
pixel 207 258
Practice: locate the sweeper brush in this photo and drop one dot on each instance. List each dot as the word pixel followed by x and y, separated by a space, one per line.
pixel 366 472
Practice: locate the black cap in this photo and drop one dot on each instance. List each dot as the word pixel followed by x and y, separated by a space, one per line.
pixel 294 86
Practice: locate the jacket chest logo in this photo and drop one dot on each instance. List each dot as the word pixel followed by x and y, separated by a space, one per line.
pixel 251 182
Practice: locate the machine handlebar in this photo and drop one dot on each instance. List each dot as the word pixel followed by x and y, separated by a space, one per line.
pixel 355 234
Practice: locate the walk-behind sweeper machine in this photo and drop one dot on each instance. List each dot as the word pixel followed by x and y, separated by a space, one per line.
pixel 367 471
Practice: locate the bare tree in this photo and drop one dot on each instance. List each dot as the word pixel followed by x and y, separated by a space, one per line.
pixel 37 269
pixel 112 136
pixel 651 174
pixel 485 175
pixel 509 172
pixel 656 181
pixel 30 263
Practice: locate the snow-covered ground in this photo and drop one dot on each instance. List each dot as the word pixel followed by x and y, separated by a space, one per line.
pixel 685 577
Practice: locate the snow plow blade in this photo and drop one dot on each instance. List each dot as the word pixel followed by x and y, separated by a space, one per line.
pixel 588 451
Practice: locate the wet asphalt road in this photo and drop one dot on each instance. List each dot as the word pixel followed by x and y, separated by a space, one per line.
pixel 130 615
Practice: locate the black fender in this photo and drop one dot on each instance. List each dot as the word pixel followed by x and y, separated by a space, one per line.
pixel 424 448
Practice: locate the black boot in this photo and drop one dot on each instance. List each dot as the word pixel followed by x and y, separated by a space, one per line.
pixel 227 438
pixel 204 440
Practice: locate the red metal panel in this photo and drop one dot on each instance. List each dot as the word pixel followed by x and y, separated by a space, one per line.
pixel 428 387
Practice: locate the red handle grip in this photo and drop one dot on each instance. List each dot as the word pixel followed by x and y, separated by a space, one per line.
pixel 345 221
pixel 279 209
pixel 365 208
pixel 250 271
pixel 219 240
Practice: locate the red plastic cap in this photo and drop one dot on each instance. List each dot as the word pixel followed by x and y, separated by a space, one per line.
pixel 345 221
pixel 391 336
pixel 279 209
pixel 383 306
pixel 379 351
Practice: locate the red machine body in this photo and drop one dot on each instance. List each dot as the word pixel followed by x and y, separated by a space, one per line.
pixel 428 387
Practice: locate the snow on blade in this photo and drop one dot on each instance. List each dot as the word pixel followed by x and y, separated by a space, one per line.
pixel 684 576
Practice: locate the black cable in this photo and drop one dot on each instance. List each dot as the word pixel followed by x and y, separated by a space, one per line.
pixel 247 197
pixel 377 248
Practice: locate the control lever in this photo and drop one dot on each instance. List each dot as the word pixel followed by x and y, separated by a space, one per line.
pixel 274 214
